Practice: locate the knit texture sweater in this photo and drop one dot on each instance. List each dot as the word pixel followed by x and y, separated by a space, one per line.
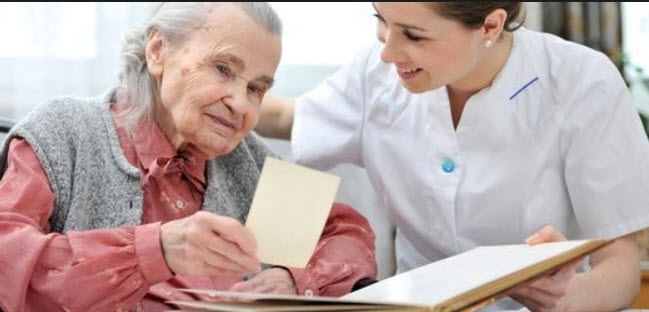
pixel 95 187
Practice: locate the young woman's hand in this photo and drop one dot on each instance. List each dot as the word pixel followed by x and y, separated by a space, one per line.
pixel 548 293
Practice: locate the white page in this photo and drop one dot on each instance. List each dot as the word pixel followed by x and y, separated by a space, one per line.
pixel 289 210
pixel 437 282
pixel 236 296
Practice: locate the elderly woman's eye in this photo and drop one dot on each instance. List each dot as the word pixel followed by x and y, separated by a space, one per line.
pixel 223 69
pixel 257 89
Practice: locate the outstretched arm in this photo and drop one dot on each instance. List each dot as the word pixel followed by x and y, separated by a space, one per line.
pixel 276 117
pixel 611 284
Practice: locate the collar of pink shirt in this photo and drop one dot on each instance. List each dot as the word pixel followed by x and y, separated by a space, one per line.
pixel 158 158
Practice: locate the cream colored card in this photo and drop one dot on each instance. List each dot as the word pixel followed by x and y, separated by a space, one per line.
pixel 289 210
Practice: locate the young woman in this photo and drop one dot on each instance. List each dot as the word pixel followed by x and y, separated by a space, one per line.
pixel 474 132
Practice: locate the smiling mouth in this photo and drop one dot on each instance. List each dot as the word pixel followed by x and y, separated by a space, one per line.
pixel 408 73
pixel 225 125
pixel 408 70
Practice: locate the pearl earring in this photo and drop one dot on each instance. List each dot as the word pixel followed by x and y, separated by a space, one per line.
pixel 488 44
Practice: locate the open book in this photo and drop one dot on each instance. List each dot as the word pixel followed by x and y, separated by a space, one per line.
pixel 452 284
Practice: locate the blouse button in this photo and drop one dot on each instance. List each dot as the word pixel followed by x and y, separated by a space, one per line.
pixel 180 204
pixel 308 293
pixel 448 165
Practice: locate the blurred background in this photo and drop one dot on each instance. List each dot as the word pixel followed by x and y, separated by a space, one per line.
pixel 53 49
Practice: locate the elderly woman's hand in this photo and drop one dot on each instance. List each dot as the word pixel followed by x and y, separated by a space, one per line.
pixel 207 244
pixel 270 281
pixel 548 293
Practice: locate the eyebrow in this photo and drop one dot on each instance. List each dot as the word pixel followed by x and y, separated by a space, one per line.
pixel 407 26
pixel 267 80
pixel 234 60
pixel 240 65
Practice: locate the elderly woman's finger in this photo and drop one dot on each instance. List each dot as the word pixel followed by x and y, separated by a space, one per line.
pixel 259 283
pixel 218 262
pixel 233 231
pixel 241 286
pixel 218 269
pixel 545 235
pixel 273 280
pixel 220 247
pixel 257 287
pixel 191 247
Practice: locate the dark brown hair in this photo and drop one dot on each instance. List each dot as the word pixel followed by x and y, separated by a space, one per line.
pixel 473 14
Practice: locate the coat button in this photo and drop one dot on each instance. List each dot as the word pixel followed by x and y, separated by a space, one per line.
pixel 308 293
pixel 448 165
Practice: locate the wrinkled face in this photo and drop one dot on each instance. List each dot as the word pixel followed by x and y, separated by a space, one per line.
pixel 429 51
pixel 212 83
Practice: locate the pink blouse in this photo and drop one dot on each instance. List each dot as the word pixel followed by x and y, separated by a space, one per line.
pixel 123 269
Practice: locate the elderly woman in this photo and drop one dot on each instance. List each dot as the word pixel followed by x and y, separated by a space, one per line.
pixel 108 204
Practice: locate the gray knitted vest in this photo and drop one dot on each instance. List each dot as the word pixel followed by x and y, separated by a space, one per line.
pixel 95 186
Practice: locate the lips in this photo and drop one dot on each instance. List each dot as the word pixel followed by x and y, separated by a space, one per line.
pixel 224 126
pixel 408 70
pixel 408 73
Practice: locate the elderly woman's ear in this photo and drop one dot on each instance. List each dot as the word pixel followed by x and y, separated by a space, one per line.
pixel 154 52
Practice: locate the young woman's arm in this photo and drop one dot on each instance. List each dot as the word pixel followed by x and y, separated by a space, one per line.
pixel 611 285
pixel 276 117
pixel 614 281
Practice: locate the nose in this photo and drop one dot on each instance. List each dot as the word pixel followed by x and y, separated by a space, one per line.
pixel 237 101
pixel 391 52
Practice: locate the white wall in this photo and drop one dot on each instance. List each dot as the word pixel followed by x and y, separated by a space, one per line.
pixel 534 16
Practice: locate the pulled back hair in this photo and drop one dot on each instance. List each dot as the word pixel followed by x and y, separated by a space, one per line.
pixel 472 14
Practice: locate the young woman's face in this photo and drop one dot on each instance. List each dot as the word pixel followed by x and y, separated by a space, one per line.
pixel 428 50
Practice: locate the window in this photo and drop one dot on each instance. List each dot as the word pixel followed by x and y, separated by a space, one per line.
pixel 325 33
pixel 635 25
pixel 48 30
pixel 318 37
pixel 55 49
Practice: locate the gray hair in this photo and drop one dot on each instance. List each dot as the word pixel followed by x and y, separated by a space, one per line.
pixel 175 20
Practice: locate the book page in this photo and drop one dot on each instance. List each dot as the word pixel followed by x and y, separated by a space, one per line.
pixel 289 210
pixel 437 282
pixel 467 279
pixel 232 297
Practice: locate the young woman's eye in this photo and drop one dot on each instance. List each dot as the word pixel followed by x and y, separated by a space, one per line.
pixel 379 17
pixel 412 37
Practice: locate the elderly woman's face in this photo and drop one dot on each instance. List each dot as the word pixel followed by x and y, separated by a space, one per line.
pixel 211 85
